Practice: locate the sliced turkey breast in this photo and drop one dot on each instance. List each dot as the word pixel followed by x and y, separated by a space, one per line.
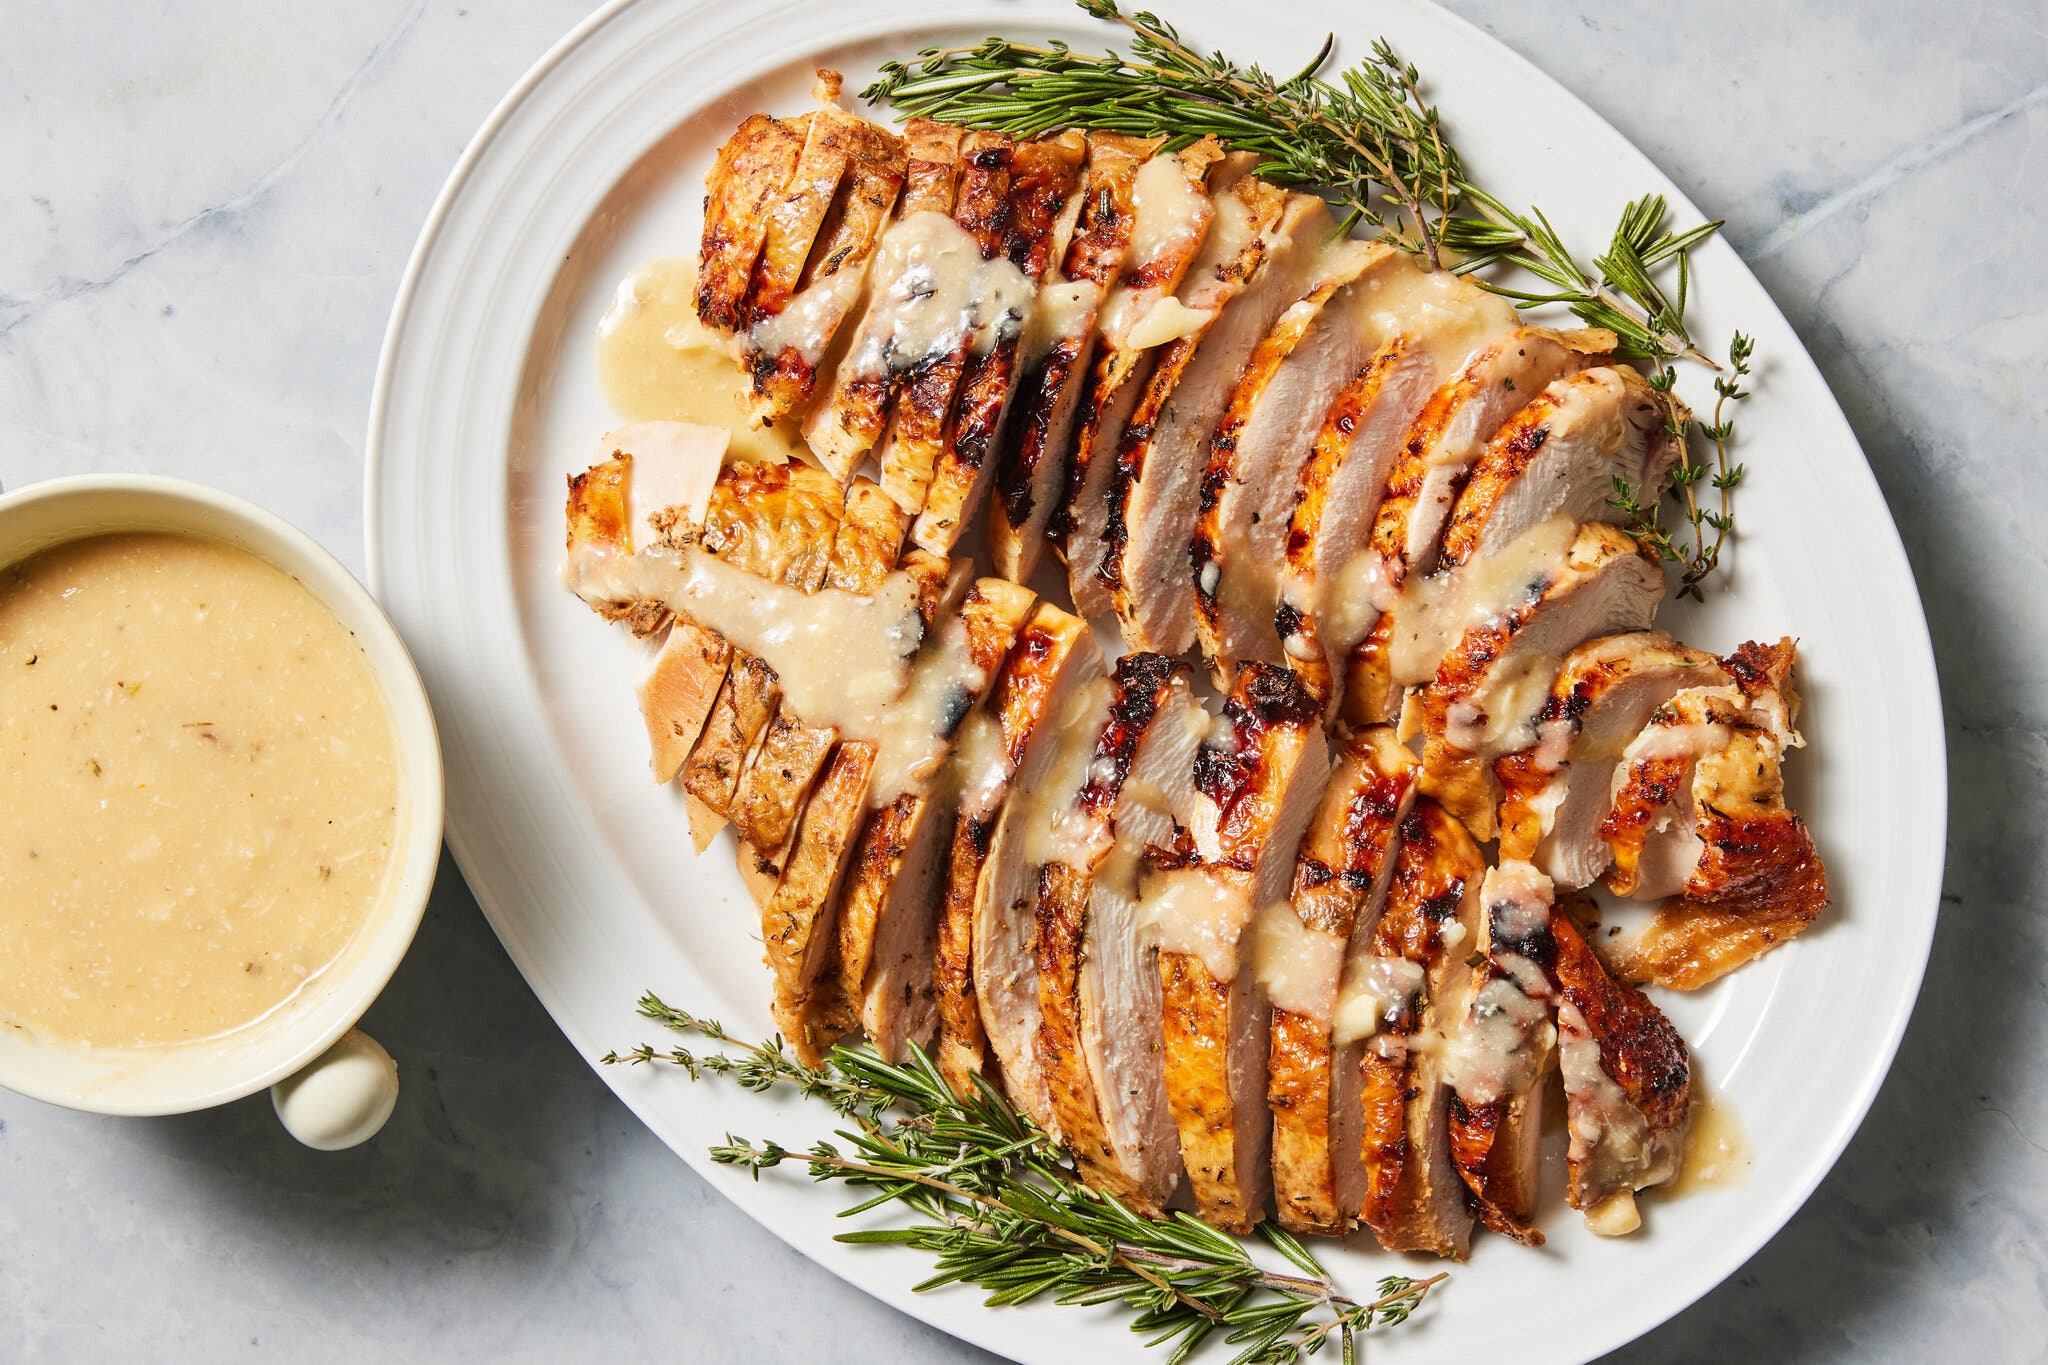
pixel 1763 673
pixel 663 486
pixel 1371 984
pixel 746 178
pixel 799 922
pixel 1341 877
pixel 1532 605
pixel 1414 1198
pixel 770 793
pixel 1498 1053
pixel 652 485
pixel 1260 444
pixel 1042 182
pixel 1627 1086
pixel 1699 814
pixel 1555 794
pixel 887 913
pixel 775 521
pixel 1449 434
pixel 975 297
pixel 1054 656
pixel 1155 495
pixel 789 525
pixel 1648 826
pixel 1259 779
pixel 677 693
pixel 871 528
pixel 795 924
pixel 1171 213
pixel 1321 613
pixel 1059 345
pixel 1327 601
pixel 895 332
pixel 1759 880
pixel 1082 522
pixel 1041 822
pixel 1122 1008
pixel 739 716
pixel 1560 457
pixel 1098 978
pixel 780 523
pixel 821 236
pixel 791 753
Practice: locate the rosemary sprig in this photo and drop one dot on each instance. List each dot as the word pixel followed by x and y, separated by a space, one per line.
pixel 1371 143
pixel 1367 140
pixel 758 1066
pixel 1700 555
pixel 999 1206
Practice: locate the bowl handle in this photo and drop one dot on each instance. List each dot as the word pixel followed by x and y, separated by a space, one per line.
pixel 342 1097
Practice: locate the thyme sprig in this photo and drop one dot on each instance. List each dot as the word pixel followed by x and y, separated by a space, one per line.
pixel 1696 551
pixel 1367 140
pixel 999 1206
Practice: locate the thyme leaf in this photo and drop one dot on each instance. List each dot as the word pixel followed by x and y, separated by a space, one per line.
pixel 1695 550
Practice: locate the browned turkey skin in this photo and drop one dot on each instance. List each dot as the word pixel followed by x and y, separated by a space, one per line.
pixel 1247 954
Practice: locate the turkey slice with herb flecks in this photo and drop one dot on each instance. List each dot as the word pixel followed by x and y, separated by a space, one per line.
pixel 1421 945
pixel 1058 351
pixel 1341 876
pixel 1172 210
pixel 1098 974
pixel 1042 181
pixel 1436 457
pixel 1055 655
pixel 1259 778
pixel 1699 815
pixel 1556 793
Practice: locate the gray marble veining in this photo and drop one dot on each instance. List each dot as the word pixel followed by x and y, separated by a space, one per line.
pixel 204 219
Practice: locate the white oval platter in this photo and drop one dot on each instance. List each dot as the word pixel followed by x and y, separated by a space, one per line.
pixel 487 398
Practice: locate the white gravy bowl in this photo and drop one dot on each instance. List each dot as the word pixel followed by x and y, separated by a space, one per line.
pixel 326 1092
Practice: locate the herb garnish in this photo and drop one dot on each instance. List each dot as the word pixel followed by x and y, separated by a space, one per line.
pixel 1367 140
pixel 1000 1206
pixel 1701 556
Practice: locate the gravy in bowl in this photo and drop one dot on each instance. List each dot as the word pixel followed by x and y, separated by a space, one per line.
pixel 199 790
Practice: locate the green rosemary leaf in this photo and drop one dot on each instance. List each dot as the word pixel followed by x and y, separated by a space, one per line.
pixel 996 1204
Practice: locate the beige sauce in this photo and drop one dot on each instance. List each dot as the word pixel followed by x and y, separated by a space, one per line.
pixel 1298 966
pixel 916 732
pixel 657 363
pixel 1063 316
pixel 1493 1050
pixel 1597 1111
pixel 1166 322
pixel 852 662
pixel 981 765
pixel 1375 988
pixel 941 295
pixel 1198 914
pixel 1717 1154
pixel 199 794
pixel 1436 610
pixel 1169 218
pixel 1455 316
pixel 1050 819
pixel 1168 214
pixel 807 325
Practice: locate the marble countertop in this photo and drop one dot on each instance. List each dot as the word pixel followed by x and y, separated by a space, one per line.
pixel 205 214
